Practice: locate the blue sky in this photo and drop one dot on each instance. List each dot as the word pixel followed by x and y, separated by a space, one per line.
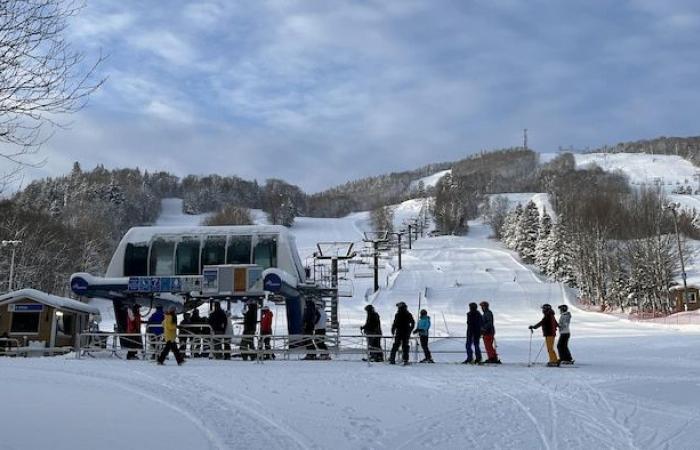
pixel 320 92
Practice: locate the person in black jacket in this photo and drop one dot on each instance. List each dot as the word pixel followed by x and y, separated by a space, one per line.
pixel 474 324
pixel 217 322
pixel 373 329
pixel 250 326
pixel 309 323
pixel 401 330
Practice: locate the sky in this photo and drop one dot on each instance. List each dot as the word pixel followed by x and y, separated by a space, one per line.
pixel 319 92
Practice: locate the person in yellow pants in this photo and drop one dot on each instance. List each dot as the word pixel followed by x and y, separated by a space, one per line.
pixel 549 331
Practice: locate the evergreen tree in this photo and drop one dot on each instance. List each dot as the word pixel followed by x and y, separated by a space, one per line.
pixel 542 248
pixel 527 232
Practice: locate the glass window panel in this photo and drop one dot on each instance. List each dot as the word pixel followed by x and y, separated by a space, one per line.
pixel 187 257
pixel 162 258
pixel 25 322
pixel 265 252
pixel 214 251
pixel 238 250
pixel 136 260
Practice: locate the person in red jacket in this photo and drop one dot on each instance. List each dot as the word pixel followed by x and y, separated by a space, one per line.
pixel 266 330
pixel 133 326
pixel 549 331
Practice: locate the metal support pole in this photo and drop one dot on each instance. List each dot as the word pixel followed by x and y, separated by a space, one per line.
pixel 399 236
pixel 376 265
pixel 409 236
pixel 12 270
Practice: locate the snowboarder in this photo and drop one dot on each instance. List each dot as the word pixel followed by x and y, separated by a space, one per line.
pixel 217 322
pixel 250 325
pixel 373 329
pixel 564 335
pixel 309 324
pixel 422 329
pixel 266 331
pixel 133 326
pixel 170 327
pixel 488 331
pixel 401 330
pixel 549 331
pixel 474 324
pixel 320 332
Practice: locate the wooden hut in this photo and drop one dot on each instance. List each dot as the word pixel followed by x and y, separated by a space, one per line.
pixel 678 293
pixel 33 320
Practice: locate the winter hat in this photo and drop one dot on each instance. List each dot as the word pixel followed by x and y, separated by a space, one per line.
pixel 369 308
pixel 265 308
pixel 401 305
pixel 473 306
pixel 563 308
pixel 546 307
pixel 485 304
pixel 423 312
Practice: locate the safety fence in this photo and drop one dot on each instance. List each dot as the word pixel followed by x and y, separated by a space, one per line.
pixel 258 347
pixel 26 347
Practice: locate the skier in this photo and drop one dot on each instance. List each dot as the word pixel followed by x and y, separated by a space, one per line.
pixel 155 328
pixel 198 346
pixel 564 335
pixel 217 322
pixel 170 327
pixel 549 331
pixel 488 331
pixel 309 323
pixel 133 326
pixel 422 330
pixel 320 332
pixel 373 329
pixel 401 330
pixel 266 331
pixel 474 324
pixel 250 325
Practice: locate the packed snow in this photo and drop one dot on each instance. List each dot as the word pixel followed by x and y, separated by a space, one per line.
pixel 642 168
pixel 430 180
pixel 171 214
pixel 635 385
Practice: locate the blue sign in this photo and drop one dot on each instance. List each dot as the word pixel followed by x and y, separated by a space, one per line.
pixel 133 284
pixel 155 284
pixel 79 285
pixel 165 284
pixel 272 283
pixel 27 307
pixel 144 284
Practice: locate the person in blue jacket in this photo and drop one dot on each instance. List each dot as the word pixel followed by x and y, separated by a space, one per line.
pixel 155 327
pixel 422 329
pixel 474 324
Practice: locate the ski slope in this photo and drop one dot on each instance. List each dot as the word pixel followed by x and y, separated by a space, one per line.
pixel 430 180
pixel 635 385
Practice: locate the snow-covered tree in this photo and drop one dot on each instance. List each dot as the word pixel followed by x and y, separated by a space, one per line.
pixel 527 232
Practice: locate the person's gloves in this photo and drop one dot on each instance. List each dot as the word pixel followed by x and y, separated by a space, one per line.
pixel 531 327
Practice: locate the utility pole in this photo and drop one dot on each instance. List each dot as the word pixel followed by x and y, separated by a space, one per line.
pixel 14 245
pixel 672 207
pixel 409 236
pixel 398 236
pixel 525 138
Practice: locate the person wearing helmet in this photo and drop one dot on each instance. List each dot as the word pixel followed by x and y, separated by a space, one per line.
pixel 266 331
pixel 488 331
pixel 422 329
pixel 564 335
pixel 401 330
pixel 549 331
pixel 474 323
pixel 373 329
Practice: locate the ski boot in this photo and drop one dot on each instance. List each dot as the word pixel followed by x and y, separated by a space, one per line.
pixel 392 362
pixel 553 364
pixel 406 363
pixel 468 361
pixel 430 361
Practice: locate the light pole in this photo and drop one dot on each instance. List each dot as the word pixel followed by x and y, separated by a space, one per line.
pixel 673 208
pixel 14 245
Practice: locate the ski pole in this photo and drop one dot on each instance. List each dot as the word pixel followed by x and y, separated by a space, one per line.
pixel 529 353
pixel 538 353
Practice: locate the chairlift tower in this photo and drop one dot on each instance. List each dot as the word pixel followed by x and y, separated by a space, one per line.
pixel 334 252
pixel 376 238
